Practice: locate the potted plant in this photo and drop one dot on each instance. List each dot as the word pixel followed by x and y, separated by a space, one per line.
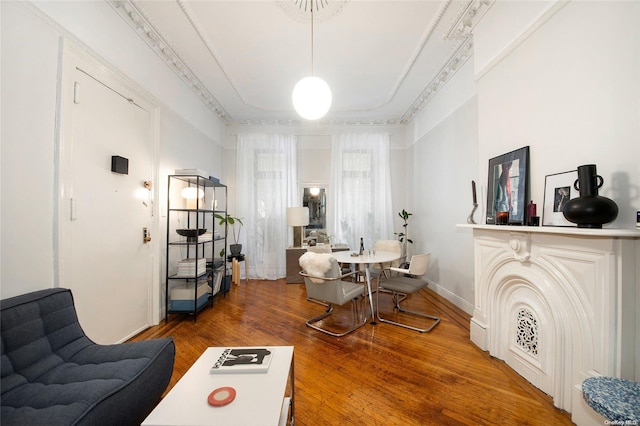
pixel 404 235
pixel 235 248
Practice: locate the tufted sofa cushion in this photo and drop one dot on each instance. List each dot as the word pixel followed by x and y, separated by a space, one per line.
pixel 52 374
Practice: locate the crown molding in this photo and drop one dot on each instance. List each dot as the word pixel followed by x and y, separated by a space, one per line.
pixel 322 122
pixel 147 32
pixel 460 31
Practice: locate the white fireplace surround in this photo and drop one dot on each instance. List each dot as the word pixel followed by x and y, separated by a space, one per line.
pixel 559 305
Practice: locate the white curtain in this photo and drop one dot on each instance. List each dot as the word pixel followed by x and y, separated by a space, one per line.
pixel 267 185
pixel 361 183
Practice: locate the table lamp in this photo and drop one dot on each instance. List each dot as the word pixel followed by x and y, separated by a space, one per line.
pixel 192 194
pixel 298 217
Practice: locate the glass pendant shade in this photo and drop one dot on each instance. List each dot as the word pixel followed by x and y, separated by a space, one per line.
pixel 311 98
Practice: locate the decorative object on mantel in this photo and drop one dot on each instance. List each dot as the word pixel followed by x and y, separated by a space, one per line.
pixel 508 186
pixel 532 217
pixel 589 210
pixel 236 248
pixel 558 190
pixel 475 203
pixel 502 218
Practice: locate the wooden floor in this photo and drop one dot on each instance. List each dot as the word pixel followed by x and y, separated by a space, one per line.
pixel 378 375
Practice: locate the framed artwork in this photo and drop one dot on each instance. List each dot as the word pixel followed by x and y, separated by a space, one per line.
pixel 508 188
pixel 558 189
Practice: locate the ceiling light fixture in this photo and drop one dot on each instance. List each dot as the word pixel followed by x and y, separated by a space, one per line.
pixel 311 96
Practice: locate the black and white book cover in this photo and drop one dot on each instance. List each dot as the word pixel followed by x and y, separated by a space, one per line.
pixel 243 360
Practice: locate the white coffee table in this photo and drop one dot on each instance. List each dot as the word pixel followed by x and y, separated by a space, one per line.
pixel 261 398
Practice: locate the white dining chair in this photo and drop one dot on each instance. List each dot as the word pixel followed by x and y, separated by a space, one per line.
pixel 324 283
pixel 402 282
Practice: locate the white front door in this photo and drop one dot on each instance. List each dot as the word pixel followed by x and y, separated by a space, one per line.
pixel 104 259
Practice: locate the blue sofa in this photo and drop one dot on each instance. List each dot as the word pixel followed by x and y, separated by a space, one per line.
pixel 53 374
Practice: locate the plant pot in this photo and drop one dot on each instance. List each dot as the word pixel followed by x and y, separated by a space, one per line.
pixel 589 210
pixel 235 249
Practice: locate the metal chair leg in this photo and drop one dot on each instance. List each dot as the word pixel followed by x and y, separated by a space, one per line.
pixel 396 300
pixel 359 320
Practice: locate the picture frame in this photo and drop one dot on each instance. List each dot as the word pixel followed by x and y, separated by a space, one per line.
pixel 508 187
pixel 558 189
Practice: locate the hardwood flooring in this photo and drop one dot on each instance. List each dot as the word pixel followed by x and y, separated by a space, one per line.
pixel 379 375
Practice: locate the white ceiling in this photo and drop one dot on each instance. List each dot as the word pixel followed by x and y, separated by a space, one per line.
pixel 382 59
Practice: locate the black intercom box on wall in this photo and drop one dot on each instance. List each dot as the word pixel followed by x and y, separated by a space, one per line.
pixel 119 165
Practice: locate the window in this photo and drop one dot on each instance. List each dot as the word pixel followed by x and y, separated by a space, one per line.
pixel 361 182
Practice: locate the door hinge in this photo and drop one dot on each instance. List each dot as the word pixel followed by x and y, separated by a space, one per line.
pixel 76 92
pixel 73 213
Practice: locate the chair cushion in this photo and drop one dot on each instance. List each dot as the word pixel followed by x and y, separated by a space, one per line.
pixel 615 399
pixel 403 284
pixel 350 291
pixel 320 265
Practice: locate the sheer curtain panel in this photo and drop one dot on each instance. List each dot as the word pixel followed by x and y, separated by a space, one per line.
pixel 267 185
pixel 360 178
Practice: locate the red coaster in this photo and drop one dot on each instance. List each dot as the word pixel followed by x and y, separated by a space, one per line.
pixel 221 396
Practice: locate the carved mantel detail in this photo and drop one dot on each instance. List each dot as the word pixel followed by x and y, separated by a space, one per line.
pixel 558 306
pixel 520 244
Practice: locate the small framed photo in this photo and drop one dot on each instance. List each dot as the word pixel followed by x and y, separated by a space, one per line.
pixel 558 189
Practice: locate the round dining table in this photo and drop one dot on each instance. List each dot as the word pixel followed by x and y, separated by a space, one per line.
pixel 367 259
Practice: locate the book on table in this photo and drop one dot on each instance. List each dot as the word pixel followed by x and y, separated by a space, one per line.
pixel 243 360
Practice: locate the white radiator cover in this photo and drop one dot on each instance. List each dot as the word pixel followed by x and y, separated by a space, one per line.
pixel 559 305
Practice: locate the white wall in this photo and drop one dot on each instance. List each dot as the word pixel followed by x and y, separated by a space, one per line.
pixel 566 82
pixel 561 77
pixel 28 128
pixel 442 162
pixel 190 135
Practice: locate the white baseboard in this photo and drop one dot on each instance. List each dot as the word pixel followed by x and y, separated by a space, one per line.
pixel 452 297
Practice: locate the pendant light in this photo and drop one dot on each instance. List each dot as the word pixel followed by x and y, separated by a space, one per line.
pixel 311 96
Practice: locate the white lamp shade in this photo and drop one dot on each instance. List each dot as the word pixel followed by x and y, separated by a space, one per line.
pixel 311 98
pixel 297 216
pixel 191 193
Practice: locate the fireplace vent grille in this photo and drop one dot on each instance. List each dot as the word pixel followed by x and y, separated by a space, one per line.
pixel 527 332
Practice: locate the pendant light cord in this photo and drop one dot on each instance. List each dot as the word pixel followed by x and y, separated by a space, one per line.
pixel 312 38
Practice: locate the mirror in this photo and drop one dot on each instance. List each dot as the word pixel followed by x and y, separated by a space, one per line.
pixel 315 198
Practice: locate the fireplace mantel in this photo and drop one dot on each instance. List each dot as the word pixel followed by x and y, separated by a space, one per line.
pixel 558 304
pixel 561 230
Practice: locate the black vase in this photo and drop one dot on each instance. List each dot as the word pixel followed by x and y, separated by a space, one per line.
pixel 589 210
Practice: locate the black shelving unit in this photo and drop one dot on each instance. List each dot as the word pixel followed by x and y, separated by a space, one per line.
pixel 195 272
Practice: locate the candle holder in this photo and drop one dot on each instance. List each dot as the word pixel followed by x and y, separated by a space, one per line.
pixel 470 218
pixel 475 203
pixel 502 218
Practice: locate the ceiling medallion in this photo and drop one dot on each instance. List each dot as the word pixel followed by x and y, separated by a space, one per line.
pixel 300 10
